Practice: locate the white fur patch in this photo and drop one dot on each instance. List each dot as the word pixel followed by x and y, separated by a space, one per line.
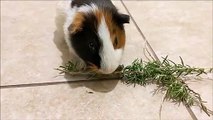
pixel 110 58
pixel 88 8
pixel 69 13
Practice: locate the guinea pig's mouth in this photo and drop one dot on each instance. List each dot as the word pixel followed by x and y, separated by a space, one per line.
pixel 94 68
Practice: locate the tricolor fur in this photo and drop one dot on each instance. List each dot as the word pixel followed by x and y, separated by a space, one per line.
pixel 94 32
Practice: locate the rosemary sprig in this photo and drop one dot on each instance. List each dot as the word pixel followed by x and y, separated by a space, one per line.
pixel 69 67
pixel 167 75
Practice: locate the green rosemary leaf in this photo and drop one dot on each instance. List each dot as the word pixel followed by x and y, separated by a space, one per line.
pixel 182 63
pixel 166 75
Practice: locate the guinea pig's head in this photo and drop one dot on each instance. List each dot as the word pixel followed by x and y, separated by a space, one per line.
pixel 98 38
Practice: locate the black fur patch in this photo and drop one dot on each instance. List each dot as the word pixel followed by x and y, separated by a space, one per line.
pixel 86 43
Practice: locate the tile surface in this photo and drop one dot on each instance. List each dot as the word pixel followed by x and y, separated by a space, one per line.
pixel 177 28
pixel 180 28
pixel 28 53
pixel 34 46
pixel 72 101
pixel 87 101
pixel 31 47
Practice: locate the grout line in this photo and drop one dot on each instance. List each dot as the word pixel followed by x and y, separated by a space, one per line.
pixel 56 83
pixel 139 30
pixel 192 114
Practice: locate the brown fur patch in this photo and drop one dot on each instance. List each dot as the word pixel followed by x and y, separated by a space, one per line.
pixel 98 15
pixel 92 67
pixel 76 25
pixel 115 31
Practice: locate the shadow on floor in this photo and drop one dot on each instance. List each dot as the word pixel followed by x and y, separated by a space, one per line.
pixel 102 86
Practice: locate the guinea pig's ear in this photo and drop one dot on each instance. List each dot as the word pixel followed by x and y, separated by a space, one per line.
pixel 123 18
pixel 77 24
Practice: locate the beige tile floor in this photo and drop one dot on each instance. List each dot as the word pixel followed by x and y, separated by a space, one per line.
pixel 31 49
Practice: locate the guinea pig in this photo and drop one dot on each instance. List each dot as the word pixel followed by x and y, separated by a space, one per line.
pixel 94 32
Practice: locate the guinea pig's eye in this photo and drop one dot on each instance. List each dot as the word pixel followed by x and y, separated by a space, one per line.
pixel 116 42
pixel 92 46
